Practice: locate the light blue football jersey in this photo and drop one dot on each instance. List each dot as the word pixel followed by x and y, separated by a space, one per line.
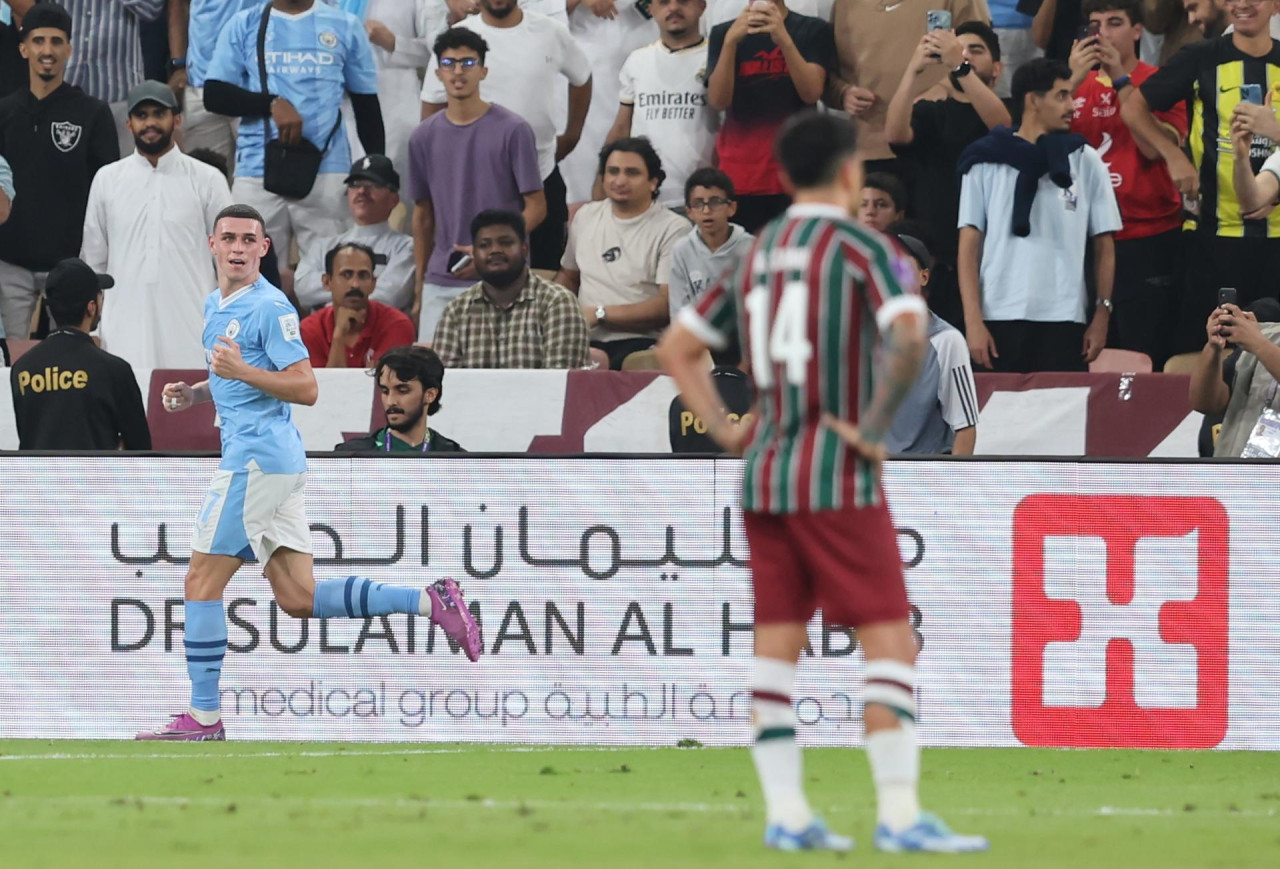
pixel 206 21
pixel 313 58
pixel 255 426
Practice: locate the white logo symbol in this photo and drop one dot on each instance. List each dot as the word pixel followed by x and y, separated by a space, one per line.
pixel 1106 97
pixel 233 329
pixel 1116 178
pixel 66 135
pixel 1164 570
pixel 366 163
pixel 328 40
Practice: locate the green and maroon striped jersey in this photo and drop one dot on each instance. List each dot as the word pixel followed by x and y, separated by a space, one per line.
pixel 805 303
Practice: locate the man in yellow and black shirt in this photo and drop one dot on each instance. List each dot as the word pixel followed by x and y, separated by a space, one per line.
pixel 1213 76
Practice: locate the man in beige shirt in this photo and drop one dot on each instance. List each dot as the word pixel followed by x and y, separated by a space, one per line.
pixel 874 42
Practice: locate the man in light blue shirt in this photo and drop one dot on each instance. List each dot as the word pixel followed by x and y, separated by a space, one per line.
pixel 255 506
pixel 194 26
pixel 314 54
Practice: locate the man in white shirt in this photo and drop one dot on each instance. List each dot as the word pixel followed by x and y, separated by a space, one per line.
pixel 608 31
pixel 373 192
pixel 147 224
pixel 618 259
pixel 528 55
pixel 664 96
pixel 1022 246
pixel 401 33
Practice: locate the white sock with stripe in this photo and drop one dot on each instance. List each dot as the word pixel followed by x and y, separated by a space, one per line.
pixel 775 752
pixel 894 754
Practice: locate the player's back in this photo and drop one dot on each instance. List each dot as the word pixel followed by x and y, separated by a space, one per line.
pixel 809 299
pixel 254 425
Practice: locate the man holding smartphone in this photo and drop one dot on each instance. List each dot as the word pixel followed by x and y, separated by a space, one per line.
pixel 1233 246
pixel 1149 261
pixel 1241 385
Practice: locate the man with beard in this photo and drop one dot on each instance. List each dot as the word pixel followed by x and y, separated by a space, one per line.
pixel 147 223
pixel 55 137
pixel 354 330
pixel 410 382
pixel 664 97
pixel 68 394
pixel 512 318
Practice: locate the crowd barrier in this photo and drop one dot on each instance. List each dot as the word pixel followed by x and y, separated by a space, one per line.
pixel 552 412
pixel 1058 604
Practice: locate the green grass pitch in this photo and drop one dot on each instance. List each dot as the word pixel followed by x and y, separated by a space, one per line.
pixel 109 804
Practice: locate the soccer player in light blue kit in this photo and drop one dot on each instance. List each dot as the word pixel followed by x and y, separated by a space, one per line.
pixel 314 55
pixel 258 366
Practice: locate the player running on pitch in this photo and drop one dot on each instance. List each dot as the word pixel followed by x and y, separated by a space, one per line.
pixel 258 366
pixel 806 302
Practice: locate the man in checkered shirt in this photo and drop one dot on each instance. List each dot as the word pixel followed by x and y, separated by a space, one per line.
pixel 512 318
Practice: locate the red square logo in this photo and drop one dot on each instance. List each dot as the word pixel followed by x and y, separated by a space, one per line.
pixel 1120 621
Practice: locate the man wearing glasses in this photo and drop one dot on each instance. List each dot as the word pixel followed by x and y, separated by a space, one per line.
pixel 713 245
pixel 471 157
pixel 1219 79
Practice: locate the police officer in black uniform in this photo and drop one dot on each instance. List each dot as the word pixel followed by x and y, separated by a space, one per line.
pixel 68 393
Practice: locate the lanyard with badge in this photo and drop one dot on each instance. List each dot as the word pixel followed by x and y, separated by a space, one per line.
pixel 1264 441
pixel 386 441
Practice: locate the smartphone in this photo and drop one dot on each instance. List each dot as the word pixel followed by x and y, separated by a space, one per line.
pixel 1228 296
pixel 937 19
pixel 458 261
pixel 1251 93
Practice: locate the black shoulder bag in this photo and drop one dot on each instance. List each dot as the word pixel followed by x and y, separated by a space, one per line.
pixel 287 170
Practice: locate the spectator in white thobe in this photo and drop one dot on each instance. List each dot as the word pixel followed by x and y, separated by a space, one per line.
pixel 373 192
pixel 401 32
pixel 147 225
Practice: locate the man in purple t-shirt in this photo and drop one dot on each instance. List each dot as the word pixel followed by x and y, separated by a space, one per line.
pixel 471 157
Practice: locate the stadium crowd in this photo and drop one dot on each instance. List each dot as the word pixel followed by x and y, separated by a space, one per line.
pixel 544 183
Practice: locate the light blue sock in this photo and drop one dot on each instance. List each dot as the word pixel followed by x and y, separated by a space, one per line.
pixel 206 644
pixel 356 597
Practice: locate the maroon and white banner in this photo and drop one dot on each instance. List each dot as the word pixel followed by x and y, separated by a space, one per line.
pixel 627 412
pixel 1058 604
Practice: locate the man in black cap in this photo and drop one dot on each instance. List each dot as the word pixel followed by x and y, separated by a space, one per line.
pixel 373 191
pixel 67 393
pixel 147 223
pixel 55 137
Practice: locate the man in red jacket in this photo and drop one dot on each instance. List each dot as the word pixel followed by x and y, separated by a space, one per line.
pixel 354 330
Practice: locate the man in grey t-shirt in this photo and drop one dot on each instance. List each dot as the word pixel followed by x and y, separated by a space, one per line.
pixel 471 157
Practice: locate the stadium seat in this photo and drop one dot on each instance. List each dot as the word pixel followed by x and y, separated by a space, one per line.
pixel 545 274
pixel 1123 361
pixel 18 346
pixel 1183 363
pixel 642 360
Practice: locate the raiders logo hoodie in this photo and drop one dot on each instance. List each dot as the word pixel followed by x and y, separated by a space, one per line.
pixel 54 146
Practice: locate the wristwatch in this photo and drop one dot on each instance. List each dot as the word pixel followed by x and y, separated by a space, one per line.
pixel 599 313
pixel 1107 303
pixel 176 63
pixel 960 72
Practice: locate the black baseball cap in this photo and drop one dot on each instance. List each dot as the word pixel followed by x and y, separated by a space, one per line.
pixel 917 249
pixel 375 168
pixel 151 91
pixel 46 15
pixel 72 282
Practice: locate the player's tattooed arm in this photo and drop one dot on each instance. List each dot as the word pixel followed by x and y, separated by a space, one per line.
pixel 903 351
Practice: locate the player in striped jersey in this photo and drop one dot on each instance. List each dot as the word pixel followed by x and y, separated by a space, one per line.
pixel 807 303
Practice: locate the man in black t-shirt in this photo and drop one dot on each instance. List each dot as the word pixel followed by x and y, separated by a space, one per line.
pixel 762 68
pixel 929 136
